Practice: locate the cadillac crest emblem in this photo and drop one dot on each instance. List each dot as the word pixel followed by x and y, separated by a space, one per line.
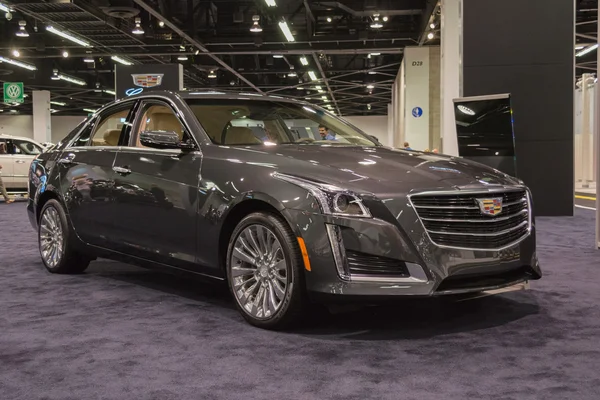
pixel 490 207
pixel 147 80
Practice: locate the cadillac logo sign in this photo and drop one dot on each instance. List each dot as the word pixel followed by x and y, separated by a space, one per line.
pixel 491 207
pixel 147 80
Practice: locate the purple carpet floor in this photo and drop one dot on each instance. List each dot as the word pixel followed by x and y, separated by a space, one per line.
pixel 120 332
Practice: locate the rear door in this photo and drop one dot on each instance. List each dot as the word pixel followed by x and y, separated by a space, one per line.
pixel 7 161
pixel 87 176
pixel 156 192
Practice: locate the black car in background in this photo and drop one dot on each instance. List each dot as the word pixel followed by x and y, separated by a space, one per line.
pixel 244 188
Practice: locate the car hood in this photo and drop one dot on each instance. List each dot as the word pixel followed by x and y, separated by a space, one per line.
pixel 375 168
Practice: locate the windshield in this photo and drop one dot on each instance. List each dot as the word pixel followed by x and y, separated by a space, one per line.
pixel 263 122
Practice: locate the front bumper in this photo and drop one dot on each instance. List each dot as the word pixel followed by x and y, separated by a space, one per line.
pixel 432 270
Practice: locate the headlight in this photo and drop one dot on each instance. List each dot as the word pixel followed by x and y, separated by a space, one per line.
pixel 332 199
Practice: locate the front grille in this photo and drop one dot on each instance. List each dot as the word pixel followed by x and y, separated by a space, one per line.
pixel 456 220
pixel 369 265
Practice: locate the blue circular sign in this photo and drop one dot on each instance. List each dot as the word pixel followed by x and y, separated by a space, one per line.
pixel 417 112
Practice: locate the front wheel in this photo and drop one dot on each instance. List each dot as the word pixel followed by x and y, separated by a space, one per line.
pixel 56 249
pixel 264 271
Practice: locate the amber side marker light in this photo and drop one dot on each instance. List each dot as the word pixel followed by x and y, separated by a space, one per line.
pixel 304 253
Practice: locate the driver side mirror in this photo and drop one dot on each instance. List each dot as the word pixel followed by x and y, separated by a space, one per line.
pixel 164 140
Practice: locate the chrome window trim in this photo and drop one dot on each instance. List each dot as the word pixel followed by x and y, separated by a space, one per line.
pixel 491 191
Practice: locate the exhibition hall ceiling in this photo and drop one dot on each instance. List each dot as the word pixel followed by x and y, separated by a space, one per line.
pixel 344 53
pixel 586 36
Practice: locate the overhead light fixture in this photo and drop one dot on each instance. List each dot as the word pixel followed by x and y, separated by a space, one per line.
pixel 138 30
pixel 277 55
pixel 328 19
pixel 30 67
pixel 90 110
pixel 303 60
pixel 579 47
pixel 212 75
pixel 370 86
pixel 182 57
pixel 299 88
pixel 432 25
pixel 67 36
pixel 4 8
pixel 292 74
pixel 587 50
pixel 88 59
pixel 65 54
pixel 71 79
pixel 375 54
pixel 321 91
pixel 22 32
pixel 286 31
pixel 52 110
pixel 376 24
pixel 16 53
pixel 14 111
pixel 255 28
pixel 318 87
pixel 111 92
pixel 271 3
pixel 121 60
pixel 372 72
pixel 324 97
pixel 312 75
pixel 54 76
pixel 368 106
pixel 385 19
pixel 430 35
pixel 161 24
pixel 465 110
pixel 58 103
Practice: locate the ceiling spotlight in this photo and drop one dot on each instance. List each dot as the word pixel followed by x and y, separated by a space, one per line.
pixel 16 53
pixel 271 3
pixel 65 54
pixel 88 58
pixel 138 30
pixel 432 25
pixel 303 60
pixel 312 75
pixel 368 106
pixel 161 24
pixel 67 36
pixel 255 28
pixel 182 57
pixel 329 19
pixel 54 76
pixel 22 32
pixel 430 35
pixel 286 31
pixel 385 19
pixel 212 74
pixel 121 60
pixel 376 24
pixel 292 74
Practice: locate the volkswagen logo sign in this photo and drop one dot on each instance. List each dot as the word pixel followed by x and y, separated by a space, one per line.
pixel 133 91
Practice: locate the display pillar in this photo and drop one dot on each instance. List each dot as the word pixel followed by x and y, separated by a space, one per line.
pixel 508 48
pixel 42 131
pixel 451 72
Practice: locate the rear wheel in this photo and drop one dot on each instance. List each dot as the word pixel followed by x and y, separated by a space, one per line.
pixel 54 236
pixel 264 270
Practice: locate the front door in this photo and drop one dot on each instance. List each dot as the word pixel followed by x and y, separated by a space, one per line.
pixel 7 162
pixel 25 151
pixel 156 193
pixel 87 176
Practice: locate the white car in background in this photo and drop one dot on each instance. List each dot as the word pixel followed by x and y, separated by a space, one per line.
pixel 15 164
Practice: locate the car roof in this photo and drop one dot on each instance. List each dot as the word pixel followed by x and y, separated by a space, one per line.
pixel 213 94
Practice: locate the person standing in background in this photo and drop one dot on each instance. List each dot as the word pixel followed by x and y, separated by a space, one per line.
pixel 407 146
pixel 2 188
pixel 326 133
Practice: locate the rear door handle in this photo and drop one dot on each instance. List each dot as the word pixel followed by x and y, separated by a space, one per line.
pixel 20 162
pixel 122 170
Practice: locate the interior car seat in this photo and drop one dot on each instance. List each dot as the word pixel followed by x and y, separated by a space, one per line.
pixel 240 135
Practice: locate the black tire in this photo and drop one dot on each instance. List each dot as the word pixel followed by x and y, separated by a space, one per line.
pixel 294 303
pixel 69 261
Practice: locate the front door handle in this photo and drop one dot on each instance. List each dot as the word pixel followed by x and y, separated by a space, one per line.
pixel 67 160
pixel 122 170
pixel 20 162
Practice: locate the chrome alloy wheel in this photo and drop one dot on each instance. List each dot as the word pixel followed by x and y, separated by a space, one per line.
pixel 259 272
pixel 51 237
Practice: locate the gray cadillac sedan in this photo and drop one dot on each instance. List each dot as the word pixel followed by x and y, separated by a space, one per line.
pixel 283 200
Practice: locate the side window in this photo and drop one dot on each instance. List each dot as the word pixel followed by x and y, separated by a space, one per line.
pixel 25 147
pixel 84 136
pixel 109 127
pixel 3 147
pixel 158 117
